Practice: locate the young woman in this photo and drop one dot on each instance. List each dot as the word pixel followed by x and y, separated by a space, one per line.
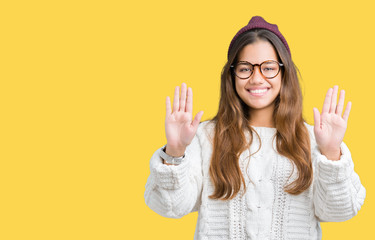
pixel 256 170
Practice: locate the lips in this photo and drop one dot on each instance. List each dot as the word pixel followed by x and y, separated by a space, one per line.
pixel 258 91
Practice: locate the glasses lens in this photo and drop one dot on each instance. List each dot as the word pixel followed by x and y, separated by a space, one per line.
pixel 243 70
pixel 270 69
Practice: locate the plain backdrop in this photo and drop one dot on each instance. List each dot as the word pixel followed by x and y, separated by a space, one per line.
pixel 82 103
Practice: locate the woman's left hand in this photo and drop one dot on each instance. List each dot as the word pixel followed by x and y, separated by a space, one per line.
pixel 330 127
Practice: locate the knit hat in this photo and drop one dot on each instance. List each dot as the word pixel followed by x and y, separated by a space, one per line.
pixel 259 22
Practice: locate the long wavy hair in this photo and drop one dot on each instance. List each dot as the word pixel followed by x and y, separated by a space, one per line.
pixel 232 122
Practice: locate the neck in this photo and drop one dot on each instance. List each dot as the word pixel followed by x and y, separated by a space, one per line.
pixel 262 117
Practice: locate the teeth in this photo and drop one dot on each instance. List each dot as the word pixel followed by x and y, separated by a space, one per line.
pixel 258 91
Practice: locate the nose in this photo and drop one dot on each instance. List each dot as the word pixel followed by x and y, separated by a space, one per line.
pixel 257 77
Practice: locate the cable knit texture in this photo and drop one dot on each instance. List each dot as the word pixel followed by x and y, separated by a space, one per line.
pixel 264 211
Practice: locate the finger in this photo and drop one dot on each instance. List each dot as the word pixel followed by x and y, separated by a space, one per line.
pixel 316 118
pixel 347 111
pixel 183 97
pixel 189 101
pixel 340 105
pixel 168 103
pixel 334 99
pixel 327 101
pixel 176 103
pixel 197 120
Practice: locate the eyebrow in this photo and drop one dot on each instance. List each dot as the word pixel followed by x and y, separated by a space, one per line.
pixel 244 62
pixel 254 64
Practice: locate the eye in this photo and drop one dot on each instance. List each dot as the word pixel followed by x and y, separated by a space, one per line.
pixel 244 69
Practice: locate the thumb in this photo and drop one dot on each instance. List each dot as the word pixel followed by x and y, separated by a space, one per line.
pixel 316 118
pixel 197 120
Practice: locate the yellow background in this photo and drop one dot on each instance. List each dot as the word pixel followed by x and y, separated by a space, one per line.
pixel 82 103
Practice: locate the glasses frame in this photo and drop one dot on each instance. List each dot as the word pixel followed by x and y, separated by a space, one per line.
pixel 260 68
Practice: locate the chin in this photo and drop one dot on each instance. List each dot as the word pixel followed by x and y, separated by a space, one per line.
pixel 260 106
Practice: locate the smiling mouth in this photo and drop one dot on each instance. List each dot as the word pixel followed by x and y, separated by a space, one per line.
pixel 258 92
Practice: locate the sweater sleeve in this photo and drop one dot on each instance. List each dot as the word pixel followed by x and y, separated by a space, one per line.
pixel 338 192
pixel 175 190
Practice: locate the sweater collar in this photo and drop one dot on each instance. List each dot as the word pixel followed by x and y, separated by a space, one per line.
pixel 265 131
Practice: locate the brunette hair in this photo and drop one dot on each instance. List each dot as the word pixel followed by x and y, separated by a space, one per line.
pixel 232 122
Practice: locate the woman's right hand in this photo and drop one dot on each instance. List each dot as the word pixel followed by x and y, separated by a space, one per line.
pixel 179 127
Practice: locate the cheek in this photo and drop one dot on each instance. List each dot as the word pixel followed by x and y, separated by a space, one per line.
pixel 277 84
pixel 239 85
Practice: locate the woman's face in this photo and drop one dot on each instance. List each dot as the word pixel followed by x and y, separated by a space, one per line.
pixel 258 92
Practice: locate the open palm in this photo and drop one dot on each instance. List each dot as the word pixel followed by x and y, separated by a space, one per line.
pixel 179 127
pixel 330 127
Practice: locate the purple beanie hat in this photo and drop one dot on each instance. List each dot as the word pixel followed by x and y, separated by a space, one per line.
pixel 259 22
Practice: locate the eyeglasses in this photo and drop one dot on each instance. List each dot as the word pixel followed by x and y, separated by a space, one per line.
pixel 269 69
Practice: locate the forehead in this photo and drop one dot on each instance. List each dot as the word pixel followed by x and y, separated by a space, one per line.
pixel 258 52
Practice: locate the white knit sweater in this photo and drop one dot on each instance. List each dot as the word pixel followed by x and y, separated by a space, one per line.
pixel 265 211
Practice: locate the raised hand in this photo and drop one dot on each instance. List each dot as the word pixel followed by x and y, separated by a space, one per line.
pixel 330 127
pixel 179 127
